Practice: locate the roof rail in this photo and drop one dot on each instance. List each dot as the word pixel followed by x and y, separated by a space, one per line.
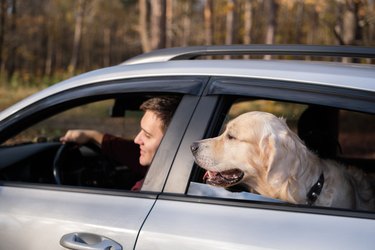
pixel 189 53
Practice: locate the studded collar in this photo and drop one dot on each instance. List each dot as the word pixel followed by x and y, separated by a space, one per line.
pixel 315 191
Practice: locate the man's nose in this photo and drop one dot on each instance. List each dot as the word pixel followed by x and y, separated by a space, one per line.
pixel 137 139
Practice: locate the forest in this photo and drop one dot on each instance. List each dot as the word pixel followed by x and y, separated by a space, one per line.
pixel 45 41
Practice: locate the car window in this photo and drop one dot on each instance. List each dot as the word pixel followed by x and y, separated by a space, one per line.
pixel 96 115
pixel 356 135
pixel 36 154
pixel 290 111
pixel 334 135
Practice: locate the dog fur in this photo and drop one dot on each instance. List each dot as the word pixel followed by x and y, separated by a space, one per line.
pixel 260 152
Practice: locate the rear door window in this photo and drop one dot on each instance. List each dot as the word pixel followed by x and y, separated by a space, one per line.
pixel 330 134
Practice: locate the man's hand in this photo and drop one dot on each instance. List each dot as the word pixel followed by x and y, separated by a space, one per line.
pixel 83 136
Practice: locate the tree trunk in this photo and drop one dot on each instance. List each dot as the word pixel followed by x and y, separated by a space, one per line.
pixel 208 24
pixel 299 21
pixel 107 47
pixel 14 45
pixel 352 33
pixel 371 25
pixel 143 26
pixel 186 24
pixel 77 35
pixel 229 23
pixel 349 32
pixel 49 54
pixel 3 7
pixel 169 24
pixel 158 22
pixel 248 22
pixel 272 8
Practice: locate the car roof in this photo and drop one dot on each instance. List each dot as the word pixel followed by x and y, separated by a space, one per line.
pixel 193 52
pixel 343 75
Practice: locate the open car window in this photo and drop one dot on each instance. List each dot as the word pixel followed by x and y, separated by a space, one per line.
pixel 36 155
pixel 96 115
pixel 331 134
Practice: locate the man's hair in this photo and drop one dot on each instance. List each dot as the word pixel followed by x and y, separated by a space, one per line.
pixel 163 107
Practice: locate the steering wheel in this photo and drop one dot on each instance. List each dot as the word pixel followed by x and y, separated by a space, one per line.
pixel 62 154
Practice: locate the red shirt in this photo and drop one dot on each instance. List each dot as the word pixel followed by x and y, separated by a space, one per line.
pixel 126 153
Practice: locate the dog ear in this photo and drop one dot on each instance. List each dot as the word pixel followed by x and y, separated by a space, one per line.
pixel 267 151
pixel 276 155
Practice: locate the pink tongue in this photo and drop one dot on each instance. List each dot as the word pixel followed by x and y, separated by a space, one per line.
pixel 209 174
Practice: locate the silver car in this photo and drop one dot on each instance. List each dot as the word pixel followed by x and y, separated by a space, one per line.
pixel 59 196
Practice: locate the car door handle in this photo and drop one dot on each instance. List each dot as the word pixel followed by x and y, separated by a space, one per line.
pixel 88 241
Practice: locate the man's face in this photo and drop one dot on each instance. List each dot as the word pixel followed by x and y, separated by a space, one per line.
pixel 149 137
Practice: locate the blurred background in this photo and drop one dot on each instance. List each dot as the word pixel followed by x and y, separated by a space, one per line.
pixel 46 41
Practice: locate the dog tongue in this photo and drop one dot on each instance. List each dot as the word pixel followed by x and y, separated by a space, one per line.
pixel 209 174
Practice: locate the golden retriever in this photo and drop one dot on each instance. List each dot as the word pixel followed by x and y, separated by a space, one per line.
pixel 260 152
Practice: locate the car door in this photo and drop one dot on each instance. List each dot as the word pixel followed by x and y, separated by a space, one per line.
pixel 38 218
pixel 39 214
pixel 187 216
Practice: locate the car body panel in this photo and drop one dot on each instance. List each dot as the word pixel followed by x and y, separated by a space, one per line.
pixel 194 224
pixel 32 218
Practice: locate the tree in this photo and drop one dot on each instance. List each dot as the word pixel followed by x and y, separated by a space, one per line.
pixel 155 38
pixel 208 24
pixel 349 30
pixel 3 8
pixel 169 24
pixel 44 38
pixel 143 26
pixel 299 21
pixel 229 24
pixel 13 46
pixel 79 16
pixel 248 21
pixel 229 29
pixel 158 24
pixel 272 9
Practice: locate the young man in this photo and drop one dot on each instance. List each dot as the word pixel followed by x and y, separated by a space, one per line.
pixel 158 112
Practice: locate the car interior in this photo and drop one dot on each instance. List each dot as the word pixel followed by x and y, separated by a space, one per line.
pixel 35 155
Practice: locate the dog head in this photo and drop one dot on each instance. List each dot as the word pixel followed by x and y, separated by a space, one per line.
pixel 249 151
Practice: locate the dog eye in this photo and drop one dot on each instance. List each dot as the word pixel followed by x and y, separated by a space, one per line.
pixel 230 137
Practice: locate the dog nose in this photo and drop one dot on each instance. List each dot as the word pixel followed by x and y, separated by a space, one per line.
pixel 194 147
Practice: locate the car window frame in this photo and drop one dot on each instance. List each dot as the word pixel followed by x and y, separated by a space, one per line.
pixel 221 90
pixel 283 90
pixel 97 91
pixel 191 87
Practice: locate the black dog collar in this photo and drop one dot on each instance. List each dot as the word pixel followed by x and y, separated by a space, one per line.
pixel 314 192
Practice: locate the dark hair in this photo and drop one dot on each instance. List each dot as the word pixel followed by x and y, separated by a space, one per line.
pixel 163 106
